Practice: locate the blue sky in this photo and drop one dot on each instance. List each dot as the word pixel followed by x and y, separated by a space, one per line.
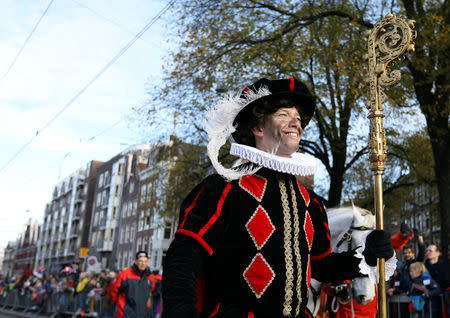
pixel 73 42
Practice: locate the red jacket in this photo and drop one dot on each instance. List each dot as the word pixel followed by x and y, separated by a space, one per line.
pixel 131 291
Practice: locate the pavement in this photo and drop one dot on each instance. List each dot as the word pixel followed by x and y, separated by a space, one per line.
pixel 5 313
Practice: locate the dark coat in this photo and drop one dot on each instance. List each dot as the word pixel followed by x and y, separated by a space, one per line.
pixel 131 292
pixel 440 272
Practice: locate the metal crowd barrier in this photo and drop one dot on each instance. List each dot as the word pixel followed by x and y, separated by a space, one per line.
pixel 398 306
pixel 59 303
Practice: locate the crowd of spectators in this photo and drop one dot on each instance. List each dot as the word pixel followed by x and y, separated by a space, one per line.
pixel 423 278
pixel 67 291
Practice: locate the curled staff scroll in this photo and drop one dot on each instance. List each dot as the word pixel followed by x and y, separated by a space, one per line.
pixel 389 40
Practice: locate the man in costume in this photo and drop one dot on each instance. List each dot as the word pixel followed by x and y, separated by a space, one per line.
pixel 250 238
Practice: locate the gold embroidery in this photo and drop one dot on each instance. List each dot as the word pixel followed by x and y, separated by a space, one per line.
pixel 289 286
pixel 297 247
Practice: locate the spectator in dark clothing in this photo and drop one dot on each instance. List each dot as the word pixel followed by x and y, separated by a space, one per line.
pixel 409 257
pixel 438 267
pixel 401 280
pixel 439 270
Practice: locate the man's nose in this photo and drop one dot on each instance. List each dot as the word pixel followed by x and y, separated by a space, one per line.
pixel 295 122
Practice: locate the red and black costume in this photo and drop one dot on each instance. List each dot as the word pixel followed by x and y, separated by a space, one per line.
pixel 257 241
pixel 131 292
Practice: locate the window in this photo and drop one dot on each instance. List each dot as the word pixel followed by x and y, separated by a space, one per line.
pixel 148 193
pixel 99 198
pixel 138 245
pixel 167 230
pixel 95 219
pixel 141 220
pixel 131 186
pixel 107 179
pixel 100 180
pixel 143 189
pixel 119 169
pixel 114 212
pixel 147 218
pixel 122 236
pixel 94 239
pixel 155 259
pixel 116 192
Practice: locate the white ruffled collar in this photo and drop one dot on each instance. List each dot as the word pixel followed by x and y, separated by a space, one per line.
pixel 299 164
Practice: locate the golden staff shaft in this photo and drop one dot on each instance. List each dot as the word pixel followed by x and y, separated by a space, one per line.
pixel 389 40
pixel 380 263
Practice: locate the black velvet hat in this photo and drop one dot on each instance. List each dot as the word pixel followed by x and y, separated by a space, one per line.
pixel 273 90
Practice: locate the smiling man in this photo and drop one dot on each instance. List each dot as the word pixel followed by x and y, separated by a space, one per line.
pixel 250 238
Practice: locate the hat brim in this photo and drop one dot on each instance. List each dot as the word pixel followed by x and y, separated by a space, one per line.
pixel 304 102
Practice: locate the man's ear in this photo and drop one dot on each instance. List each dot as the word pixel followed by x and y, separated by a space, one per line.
pixel 258 131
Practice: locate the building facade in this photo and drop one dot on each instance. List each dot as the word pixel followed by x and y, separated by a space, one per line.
pixel 156 226
pixel 128 221
pixel 112 175
pixel 420 212
pixel 67 216
pixel 9 259
pixel 26 248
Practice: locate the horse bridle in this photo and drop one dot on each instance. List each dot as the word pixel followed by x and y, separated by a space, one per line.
pixel 348 236
pixel 343 291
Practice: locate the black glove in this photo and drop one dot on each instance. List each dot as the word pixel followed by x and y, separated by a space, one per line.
pixel 378 245
pixel 416 233
pixel 405 229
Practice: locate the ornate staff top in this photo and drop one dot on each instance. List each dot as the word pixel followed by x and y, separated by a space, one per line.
pixel 388 41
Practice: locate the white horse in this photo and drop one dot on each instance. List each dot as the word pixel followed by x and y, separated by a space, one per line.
pixel 347 225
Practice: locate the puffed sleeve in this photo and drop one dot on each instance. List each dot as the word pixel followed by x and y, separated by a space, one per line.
pixel 321 246
pixel 203 215
pixel 322 259
pixel 202 225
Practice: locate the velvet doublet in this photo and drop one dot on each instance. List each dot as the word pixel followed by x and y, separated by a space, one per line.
pixel 256 241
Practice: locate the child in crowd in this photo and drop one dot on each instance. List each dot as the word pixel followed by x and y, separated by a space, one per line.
pixel 421 288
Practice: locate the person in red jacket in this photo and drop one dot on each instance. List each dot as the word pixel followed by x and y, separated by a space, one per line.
pixel 131 289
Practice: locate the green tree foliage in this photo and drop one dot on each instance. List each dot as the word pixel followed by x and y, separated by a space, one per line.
pixel 178 167
pixel 228 44
pixel 225 45
pixel 410 166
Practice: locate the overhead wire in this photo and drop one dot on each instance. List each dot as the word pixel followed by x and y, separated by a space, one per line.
pixel 90 82
pixel 111 21
pixel 87 140
pixel 26 41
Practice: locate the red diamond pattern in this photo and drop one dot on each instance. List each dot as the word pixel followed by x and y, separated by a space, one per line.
pixel 304 193
pixel 259 275
pixel 260 227
pixel 309 229
pixel 255 185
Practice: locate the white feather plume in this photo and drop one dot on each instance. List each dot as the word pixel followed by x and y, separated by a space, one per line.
pixel 219 127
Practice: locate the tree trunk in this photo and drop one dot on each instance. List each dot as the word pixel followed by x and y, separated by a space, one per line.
pixel 336 180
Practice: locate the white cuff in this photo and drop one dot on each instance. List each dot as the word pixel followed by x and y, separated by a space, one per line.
pixel 389 265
